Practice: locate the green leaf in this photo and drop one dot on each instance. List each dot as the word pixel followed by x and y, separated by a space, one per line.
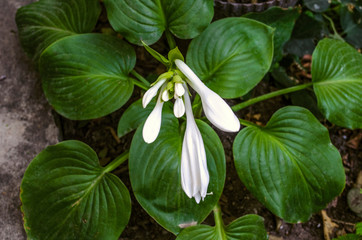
pixel 337 78
pixel 66 194
pixel 351 23
pixel 156 179
pixel 232 55
pixel 317 5
pixel 290 165
pixel 86 76
pixel 283 21
pixel 146 20
pixel 158 56
pixel 307 30
pixel 348 237
pixel 44 22
pixel 248 227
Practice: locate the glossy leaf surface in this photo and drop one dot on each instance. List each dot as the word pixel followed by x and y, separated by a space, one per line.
pixel 232 55
pixel 66 194
pixel 283 21
pixel 86 76
pixel 248 227
pixel 42 23
pixel 337 82
pixel 146 20
pixel 156 179
pixel 290 165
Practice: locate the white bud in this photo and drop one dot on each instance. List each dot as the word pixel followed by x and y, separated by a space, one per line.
pixel 179 90
pixel 179 108
pixel 165 95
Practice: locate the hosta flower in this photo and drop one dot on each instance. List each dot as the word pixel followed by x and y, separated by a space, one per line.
pixel 194 173
pixel 168 90
pixel 216 109
pixel 153 123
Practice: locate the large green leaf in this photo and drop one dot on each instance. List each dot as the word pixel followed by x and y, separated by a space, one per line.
pixel 146 20
pixel 67 195
pixel 248 227
pixel 156 179
pixel 42 23
pixel 232 55
pixel 290 165
pixel 337 82
pixel 283 21
pixel 86 76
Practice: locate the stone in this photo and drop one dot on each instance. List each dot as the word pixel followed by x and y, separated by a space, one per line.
pixel 26 122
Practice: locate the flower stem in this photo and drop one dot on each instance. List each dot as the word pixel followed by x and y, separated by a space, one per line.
pixel 139 84
pixel 249 102
pixel 116 162
pixel 247 123
pixel 139 77
pixel 170 40
pixel 219 224
pixel 336 35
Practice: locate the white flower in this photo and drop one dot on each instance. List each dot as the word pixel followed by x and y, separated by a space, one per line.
pixel 153 123
pixel 179 107
pixel 216 109
pixel 151 93
pixel 194 173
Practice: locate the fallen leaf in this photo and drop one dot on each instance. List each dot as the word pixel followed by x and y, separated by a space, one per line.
pixel 354 142
pixel 328 225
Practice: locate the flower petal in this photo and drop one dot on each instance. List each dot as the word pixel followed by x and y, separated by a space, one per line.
pixel 194 174
pixel 152 92
pixel 216 109
pixel 153 123
pixel 179 108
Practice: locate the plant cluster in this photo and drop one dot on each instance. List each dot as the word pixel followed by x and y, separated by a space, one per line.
pixel 176 160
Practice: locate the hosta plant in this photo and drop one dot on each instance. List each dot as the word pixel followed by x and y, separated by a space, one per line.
pixel 176 160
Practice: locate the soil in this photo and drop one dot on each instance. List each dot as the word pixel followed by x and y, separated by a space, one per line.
pixel 235 201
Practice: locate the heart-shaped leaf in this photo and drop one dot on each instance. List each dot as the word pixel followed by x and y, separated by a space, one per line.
pixel 337 82
pixel 290 164
pixel 66 194
pixel 232 55
pixel 283 21
pixel 86 76
pixel 156 179
pixel 42 23
pixel 146 20
pixel 248 227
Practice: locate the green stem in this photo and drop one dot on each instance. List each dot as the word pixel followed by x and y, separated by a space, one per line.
pixel 336 35
pixel 139 77
pixel 249 102
pixel 140 84
pixel 219 224
pixel 170 39
pixel 247 123
pixel 116 162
